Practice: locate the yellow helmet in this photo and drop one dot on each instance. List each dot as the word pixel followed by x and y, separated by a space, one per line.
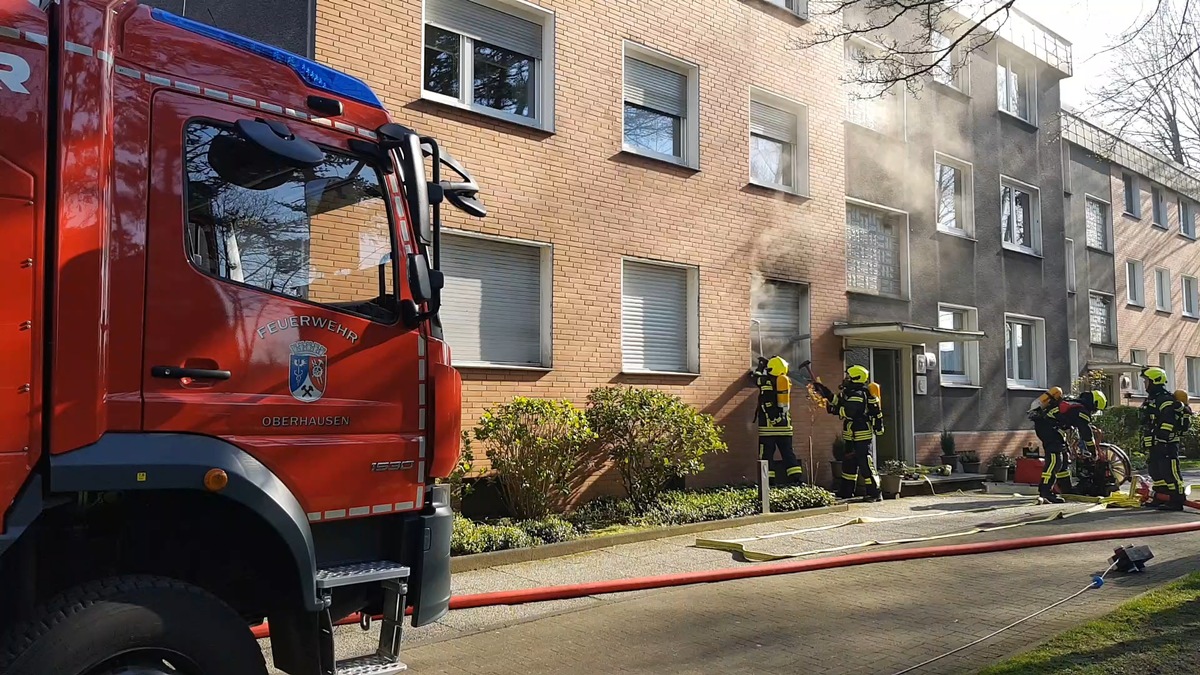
pixel 858 374
pixel 1098 399
pixel 1155 375
pixel 777 366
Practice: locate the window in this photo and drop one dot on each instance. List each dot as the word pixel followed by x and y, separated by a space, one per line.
pixel 1138 357
pixel 1014 88
pixel 869 105
pixel 780 314
pixel 1193 376
pixel 797 7
pixel 496 62
pixel 1167 363
pixel 1073 358
pixel 1100 318
pixel 1096 218
pixel 876 243
pixel 1020 216
pixel 1136 283
pixel 496 302
pixel 1133 196
pixel 952 70
pixel 1070 265
pixel 1187 218
pixel 1160 206
pixel 661 107
pixel 319 234
pixel 955 195
pixel 1191 305
pixel 1025 351
pixel 1162 290
pixel 959 361
pixel 778 142
pixel 659 318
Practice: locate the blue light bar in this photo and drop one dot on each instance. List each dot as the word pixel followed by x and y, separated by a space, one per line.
pixel 314 74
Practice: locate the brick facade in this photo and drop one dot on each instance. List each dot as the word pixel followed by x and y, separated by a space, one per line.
pixel 576 190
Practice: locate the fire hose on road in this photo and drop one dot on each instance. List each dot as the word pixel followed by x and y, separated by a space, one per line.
pixel 569 591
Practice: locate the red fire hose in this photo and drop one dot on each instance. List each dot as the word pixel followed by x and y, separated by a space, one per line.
pixel 547 593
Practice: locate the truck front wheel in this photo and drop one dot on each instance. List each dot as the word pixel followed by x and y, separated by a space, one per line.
pixel 133 624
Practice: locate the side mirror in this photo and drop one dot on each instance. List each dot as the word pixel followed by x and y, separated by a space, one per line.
pixel 420 278
pixel 462 194
pixel 407 143
pixel 275 137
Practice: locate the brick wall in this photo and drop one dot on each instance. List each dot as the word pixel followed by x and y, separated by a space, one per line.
pixel 986 444
pixel 1138 239
pixel 576 190
pixel 343 240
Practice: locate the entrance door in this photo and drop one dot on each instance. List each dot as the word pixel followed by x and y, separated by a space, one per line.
pixel 884 365
pixel 272 315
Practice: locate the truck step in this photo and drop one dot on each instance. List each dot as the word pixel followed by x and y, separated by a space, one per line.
pixel 360 573
pixel 370 665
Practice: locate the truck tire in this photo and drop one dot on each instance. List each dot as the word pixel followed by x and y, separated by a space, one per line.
pixel 141 625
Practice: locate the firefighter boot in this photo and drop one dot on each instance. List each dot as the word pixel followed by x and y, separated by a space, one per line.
pixel 1046 495
pixel 1064 486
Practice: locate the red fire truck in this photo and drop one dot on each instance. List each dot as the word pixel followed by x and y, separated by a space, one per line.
pixel 224 393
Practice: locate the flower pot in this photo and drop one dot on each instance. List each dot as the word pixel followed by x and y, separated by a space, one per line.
pixel 971 467
pixel 952 461
pixel 890 485
pixel 1000 474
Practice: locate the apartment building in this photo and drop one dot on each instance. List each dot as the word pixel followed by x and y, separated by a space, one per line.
pixel 1144 207
pixel 955 244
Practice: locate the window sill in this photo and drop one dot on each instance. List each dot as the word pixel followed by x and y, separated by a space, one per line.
pixel 960 234
pixel 665 159
pixel 1161 310
pixel 1023 251
pixel 784 189
pixel 483 365
pixel 960 385
pixel 1191 316
pixel 790 13
pixel 658 373
pixel 519 120
pixel 1139 305
pixel 1025 387
pixel 1189 237
pixel 1099 250
pixel 880 296
pixel 951 90
pixel 1158 227
pixel 1032 126
pixel 1103 345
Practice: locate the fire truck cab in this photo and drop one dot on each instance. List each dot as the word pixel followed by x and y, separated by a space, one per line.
pixel 224 392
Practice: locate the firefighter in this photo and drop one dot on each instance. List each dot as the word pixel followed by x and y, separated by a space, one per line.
pixel 862 420
pixel 1162 421
pixel 1050 419
pixel 774 418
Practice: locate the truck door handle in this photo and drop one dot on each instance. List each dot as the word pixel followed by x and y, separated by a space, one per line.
pixel 174 373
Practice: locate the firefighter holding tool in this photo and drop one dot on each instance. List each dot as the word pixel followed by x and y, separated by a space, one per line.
pixel 1164 418
pixel 1052 414
pixel 774 417
pixel 857 404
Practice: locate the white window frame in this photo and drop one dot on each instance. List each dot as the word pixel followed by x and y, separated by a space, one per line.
pixel 970 349
pixel 1141 358
pixel 1135 185
pixel 546 306
pixel 1135 283
pixel 1193 375
pixel 544 68
pixel 903 245
pixel 800 149
pixel 1108 223
pixel 1035 209
pixel 796 7
pixel 1158 202
pixel 804 312
pixel 691 122
pixel 967 172
pixel 894 99
pixel 1112 319
pixel 1039 352
pixel 960 63
pixel 1159 286
pixel 1072 283
pixel 1073 358
pixel 1194 296
pixel 1006 61
pixel 1187 216
pixel 693 316
pixel 1167 363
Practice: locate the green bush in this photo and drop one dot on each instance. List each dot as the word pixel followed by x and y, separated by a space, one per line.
pixel 651 436
pixel 540 450
pixel 602 512
pixel 469 537
pixel 677 507
pixel 1120 427
pixel 549 530
pixel 796 497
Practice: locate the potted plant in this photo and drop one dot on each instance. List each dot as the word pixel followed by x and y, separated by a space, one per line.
pixel 970 461
pixel 890 477
pixel 949 456
pixel 1000 466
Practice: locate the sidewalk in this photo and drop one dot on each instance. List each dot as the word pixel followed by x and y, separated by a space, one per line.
pixel 903 609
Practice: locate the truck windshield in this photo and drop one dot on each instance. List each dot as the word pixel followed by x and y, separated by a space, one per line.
pixel 319 234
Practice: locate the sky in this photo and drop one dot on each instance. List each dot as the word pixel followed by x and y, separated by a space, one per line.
pixel 1090 26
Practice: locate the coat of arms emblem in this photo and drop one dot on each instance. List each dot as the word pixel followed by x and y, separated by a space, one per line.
pixel 307 367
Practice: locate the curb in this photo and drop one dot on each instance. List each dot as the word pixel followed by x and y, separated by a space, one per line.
pixel 479 561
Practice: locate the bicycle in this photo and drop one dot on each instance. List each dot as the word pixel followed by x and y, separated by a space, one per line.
pixel 1113 458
